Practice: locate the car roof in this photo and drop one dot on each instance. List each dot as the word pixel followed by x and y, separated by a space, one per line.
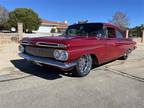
pixel 112 25
pixel 101 24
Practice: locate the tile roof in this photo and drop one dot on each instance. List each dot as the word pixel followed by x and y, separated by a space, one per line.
pixel 54 23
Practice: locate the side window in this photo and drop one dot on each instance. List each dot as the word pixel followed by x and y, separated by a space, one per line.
pixel 119 34
pixel 101 33
pixel 111 32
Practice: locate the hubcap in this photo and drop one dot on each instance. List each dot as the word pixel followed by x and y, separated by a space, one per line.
pixel 85 63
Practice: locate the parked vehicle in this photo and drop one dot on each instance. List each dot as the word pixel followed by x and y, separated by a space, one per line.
pixel 81 46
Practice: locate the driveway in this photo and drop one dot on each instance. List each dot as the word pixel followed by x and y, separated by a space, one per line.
pixel 118 84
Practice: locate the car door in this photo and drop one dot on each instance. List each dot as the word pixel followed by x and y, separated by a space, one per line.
pixel 98 37
pixel 111 41
pixel 101 45
pixel 120 43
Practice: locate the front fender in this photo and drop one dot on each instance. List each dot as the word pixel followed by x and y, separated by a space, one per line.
pixel 75 54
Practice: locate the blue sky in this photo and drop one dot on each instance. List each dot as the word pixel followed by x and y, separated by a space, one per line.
pixel 74 10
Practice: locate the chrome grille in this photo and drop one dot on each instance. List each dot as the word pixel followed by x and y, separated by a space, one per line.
pixel 41 52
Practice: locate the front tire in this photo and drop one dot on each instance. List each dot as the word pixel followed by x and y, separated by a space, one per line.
pixel 84 65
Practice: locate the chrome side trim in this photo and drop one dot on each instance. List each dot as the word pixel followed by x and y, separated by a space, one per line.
pixel 53 45
pixel 48 61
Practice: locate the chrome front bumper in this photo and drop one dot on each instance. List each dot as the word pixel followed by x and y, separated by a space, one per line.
pixel 48 61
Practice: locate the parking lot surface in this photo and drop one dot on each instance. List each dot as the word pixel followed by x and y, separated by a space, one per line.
pixel 118 84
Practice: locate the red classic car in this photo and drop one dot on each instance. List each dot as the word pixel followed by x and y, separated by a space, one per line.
pixel 81 46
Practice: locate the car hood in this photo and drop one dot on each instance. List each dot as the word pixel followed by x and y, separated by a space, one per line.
pixel 69 41
pixel 47 39
pixel 51 39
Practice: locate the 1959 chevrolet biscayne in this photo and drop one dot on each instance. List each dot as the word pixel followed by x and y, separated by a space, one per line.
pixel 80 47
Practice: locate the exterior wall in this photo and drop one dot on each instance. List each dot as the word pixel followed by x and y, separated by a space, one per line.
pixel 6 38
pixel 12 37
pixel 44 29
pixel 46 26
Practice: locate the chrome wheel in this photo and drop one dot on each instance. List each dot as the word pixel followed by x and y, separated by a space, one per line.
pixel 125 56
pixel 84 65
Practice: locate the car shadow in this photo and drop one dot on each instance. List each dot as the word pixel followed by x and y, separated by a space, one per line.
pixel 48 72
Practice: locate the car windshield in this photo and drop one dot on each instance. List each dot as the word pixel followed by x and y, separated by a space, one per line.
pixel 91 29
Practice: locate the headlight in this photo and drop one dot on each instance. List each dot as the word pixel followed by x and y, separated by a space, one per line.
pixel 21 48
pixel 61 55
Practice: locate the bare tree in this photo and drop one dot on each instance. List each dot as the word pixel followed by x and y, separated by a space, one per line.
pixel 4 15
pixel 120 19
